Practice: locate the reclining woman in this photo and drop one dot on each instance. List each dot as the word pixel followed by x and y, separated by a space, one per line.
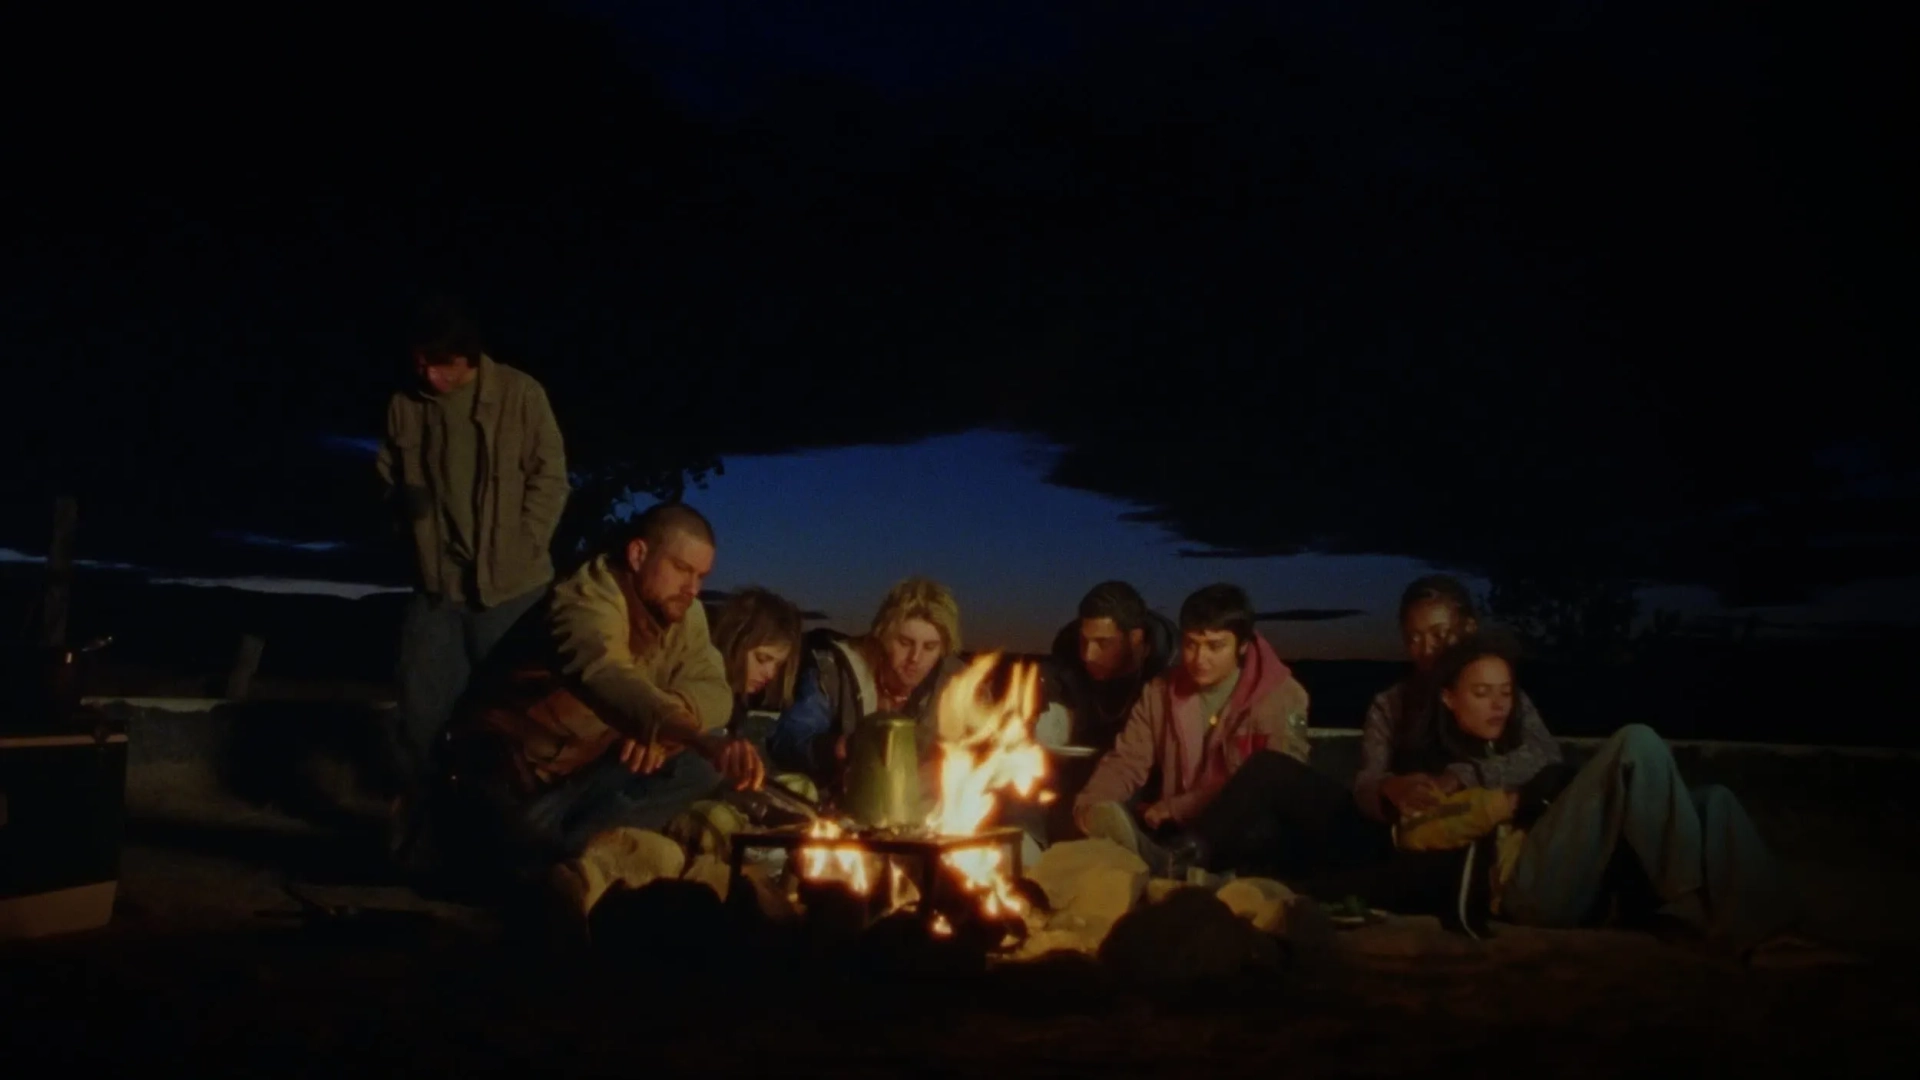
pixel 1435 612
pixel 1548 847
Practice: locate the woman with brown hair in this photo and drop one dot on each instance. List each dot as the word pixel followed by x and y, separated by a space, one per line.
pixel 1545 845
pixel 758 634
pixel 1398 773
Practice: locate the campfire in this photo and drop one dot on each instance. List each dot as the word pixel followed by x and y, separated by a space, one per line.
pixel 955 866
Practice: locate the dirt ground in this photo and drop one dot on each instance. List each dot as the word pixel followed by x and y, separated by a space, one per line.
pixel 192 975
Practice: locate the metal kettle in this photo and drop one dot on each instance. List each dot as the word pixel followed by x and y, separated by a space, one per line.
pixel 883 772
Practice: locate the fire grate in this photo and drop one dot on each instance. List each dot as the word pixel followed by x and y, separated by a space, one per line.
pixel 926 851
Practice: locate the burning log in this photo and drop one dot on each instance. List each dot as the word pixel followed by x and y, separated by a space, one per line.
pixel 856 879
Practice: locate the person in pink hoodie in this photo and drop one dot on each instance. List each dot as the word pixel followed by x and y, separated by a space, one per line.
pixel 1228 699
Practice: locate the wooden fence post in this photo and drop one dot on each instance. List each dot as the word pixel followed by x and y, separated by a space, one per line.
pixel 53 612
pixel 245 663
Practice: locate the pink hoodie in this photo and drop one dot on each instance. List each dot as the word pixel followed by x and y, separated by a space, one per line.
pixel 1166 729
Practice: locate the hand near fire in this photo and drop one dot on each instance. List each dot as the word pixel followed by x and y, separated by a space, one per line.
pixel 642 758
pixel 738 761
pixel 645 758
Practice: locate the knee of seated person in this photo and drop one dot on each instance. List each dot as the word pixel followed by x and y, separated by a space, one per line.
pixel 1092 812
pixel 1640 741
pixel 1273 765
pixel 799 784
pixel 1714 797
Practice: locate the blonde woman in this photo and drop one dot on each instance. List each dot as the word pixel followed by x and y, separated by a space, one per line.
pixel 898 667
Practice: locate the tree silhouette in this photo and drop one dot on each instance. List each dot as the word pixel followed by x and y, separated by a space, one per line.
pixel 1577 617
pixel 601 492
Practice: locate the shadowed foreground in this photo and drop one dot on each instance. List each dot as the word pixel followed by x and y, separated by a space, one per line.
pixel 191 974
pixel 285 1003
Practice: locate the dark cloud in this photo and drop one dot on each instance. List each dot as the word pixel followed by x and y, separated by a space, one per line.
pixel 1307 615
pixel 1562 285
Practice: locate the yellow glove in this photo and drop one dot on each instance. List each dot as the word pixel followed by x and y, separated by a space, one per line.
pixel 1456 821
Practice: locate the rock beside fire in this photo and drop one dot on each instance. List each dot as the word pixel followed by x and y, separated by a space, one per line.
pixel 1272 908
pixel 667 924
pixel 1160 888
pixel 1188 938
pixel 901 944
pixel 769 895
pixel 625 857
pixel 1097 880
pixel 1092 884
pixel 1260 901
pixel 711 871
pixel 1063 934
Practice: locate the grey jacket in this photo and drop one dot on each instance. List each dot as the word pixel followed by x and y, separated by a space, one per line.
pixel 1389 744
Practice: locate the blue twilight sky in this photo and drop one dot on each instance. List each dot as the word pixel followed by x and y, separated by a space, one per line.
pixel 727 57
pixel 833 529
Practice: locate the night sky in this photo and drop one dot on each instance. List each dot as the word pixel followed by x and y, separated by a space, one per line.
pixel 1022 295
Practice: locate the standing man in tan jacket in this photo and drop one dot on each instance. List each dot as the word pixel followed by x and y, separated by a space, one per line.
pixel 473 468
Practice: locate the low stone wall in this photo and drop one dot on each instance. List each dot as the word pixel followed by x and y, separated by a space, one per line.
pixel 311 759
pixel 1818 800
pixel 1810 801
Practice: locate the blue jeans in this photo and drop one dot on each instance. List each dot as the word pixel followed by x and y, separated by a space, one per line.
pixel 556 824
pixel 442 643
pixel 1698 849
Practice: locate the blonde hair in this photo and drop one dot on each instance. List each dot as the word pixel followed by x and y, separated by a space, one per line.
pixel 751 618
pixel 918 598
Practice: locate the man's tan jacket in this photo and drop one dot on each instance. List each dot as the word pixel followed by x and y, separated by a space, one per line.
pixel 523 485
pixel 616 673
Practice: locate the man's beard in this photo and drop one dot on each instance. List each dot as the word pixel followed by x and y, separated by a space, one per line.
pixel 662 610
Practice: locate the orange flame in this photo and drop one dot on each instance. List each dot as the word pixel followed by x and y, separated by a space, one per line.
pixel 827 864
pixel 987 748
